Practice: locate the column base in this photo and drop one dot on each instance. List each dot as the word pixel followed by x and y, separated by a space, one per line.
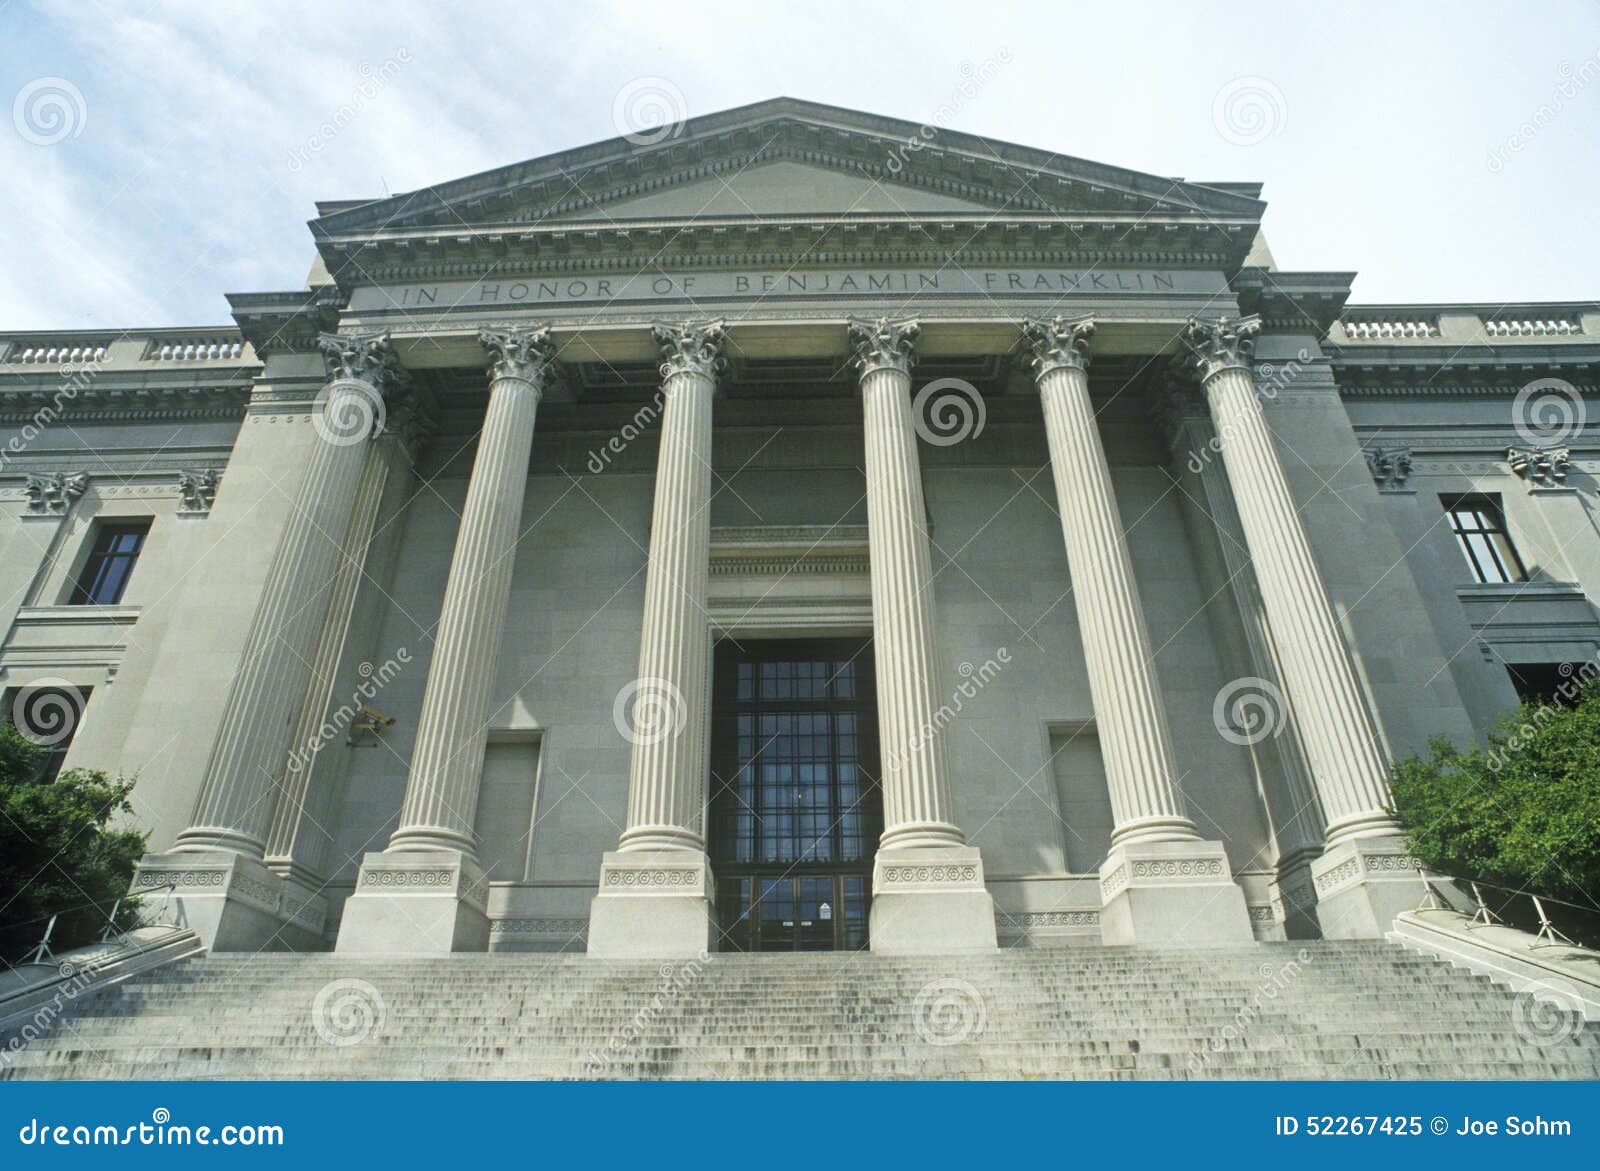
pixel 653 904
pixel 1362 884
pixel 233 903
pixel 1172 894
pixel 1294 895
pixel 416 902
pixel 930 901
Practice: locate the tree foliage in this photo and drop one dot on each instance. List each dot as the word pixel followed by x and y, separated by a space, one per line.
pixel 59 851
pixel 1521 810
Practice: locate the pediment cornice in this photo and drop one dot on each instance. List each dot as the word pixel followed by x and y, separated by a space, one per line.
pixel 556 205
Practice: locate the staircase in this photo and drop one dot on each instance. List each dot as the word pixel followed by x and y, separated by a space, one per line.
pixel 1295 1010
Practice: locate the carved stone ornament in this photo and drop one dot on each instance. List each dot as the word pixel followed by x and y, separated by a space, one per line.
pixel 1062 342
pixel 367 357
pixel 52 494
pixel 520 352
pixel 1541 468
pixel 1390 466
pixel 197 491
pixel 1222 344
pixel 691 349
pixel 884 344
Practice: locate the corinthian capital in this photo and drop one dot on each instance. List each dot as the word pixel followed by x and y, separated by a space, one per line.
pixel 524 353
pixel 1222 344
pixel 691 348
pixel 1060 342
pixel 363 357
pixel 883 344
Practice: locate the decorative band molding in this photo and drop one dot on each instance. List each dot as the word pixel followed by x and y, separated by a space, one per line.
pixel 575 928
pixel 179 879
pixel 1052 918
pixel 408 878
pixel 1158 872
pixel 652 877
pixel 905 874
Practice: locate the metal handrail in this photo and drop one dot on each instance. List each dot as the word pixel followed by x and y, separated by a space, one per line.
pixel 42 952
pixel 1548 934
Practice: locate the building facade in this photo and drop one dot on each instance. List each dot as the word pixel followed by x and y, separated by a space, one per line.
pixel 791 534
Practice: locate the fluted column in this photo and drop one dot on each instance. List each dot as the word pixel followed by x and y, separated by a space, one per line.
pixel 918 814
pixel 1160 882
pixel 214 873
pixel 666 778
pixel 916 787
pixel 1130 714
pixel 239 792
pixel 447 757
pixel 656 889
pixel 1348 764
pixel 426 892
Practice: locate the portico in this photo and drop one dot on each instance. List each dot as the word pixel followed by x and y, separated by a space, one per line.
pixel 585 457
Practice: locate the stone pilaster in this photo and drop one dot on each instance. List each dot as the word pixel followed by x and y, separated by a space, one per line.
pixel 1363 878
pixel 249 906
pixel 389 911
pixel 928 892
pixel 1161 883
pixel 656 888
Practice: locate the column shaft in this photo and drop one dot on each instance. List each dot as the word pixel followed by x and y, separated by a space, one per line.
pixel 666 776
pixel 916 789
pixel 240 790
pixel 1130 713
pixel 1341 741
pixel 289 819
pixel 447 759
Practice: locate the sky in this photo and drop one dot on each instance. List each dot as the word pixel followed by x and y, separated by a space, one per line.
pixel 158 156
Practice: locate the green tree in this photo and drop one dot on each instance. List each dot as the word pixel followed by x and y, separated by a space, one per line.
pixel 59 851
pixel 1521 810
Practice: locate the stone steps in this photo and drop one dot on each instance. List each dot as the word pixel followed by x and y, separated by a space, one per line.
pixel 1306 1010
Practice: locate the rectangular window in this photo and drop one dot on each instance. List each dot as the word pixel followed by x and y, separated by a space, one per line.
pixel 1480 529
pixel 105 575
pixel 48 716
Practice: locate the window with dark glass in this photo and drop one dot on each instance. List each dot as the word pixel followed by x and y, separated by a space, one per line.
pixel 105 575
pixel 1480 529
pixel 48 716
pixel 795 804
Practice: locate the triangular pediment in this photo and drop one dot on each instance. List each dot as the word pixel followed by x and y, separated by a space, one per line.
pixel 787 159
pixel 783 188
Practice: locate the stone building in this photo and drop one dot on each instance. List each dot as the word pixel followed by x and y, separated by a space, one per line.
pixel 791 534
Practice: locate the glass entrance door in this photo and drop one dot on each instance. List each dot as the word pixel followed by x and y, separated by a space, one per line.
pixel 795 809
